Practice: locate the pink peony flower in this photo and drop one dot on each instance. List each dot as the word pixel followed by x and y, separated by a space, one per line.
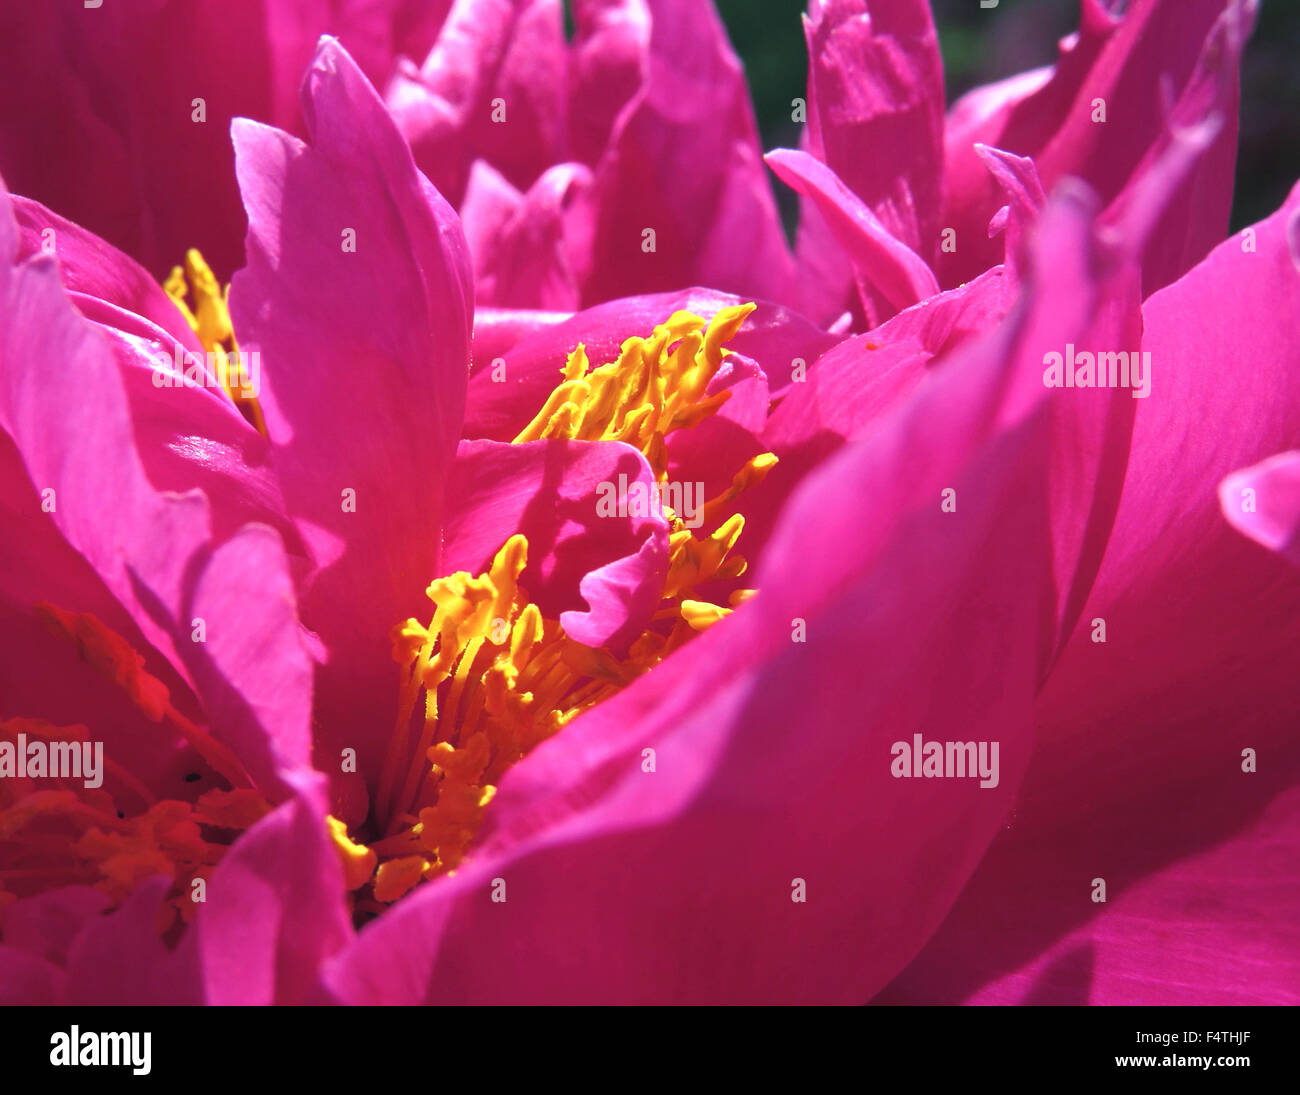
pixel 639 756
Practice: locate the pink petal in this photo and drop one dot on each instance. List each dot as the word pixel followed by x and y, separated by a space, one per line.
pixel 601 576
pixel 608 61
pixel 373 343
pixel 1191 851
pixel 517 240
pixel 890 275
pixel 876 110
pixel 120 959
pixel 93 267
pixel 1129 63
pixel 491 56
pixel 715 221
pixel 148 548
pixel 274 911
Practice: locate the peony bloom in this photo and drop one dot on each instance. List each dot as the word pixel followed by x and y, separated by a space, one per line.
pixel 568 662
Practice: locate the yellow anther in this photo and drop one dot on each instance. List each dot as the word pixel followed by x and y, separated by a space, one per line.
pixel 702 614
pixel 656 386
pixel 396 876
pixel 358 860
pixel 209 319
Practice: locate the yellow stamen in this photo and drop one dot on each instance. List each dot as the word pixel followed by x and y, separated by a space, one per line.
pixel 358 860
pixel 210 320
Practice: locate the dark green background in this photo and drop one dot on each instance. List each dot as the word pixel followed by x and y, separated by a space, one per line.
pixel 981 45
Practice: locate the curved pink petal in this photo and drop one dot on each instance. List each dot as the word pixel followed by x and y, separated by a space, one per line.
pixel 608 62
pixel 26 980
pixel 517 240
pixel 492 88
pixel 1018 178
pixel 876 110
pixel 75 439
pixel 1201 903
pixel 275 910
pixel 1163 805
pixel 257 668
pixel 890 275
pixel 709 216
pixel 120 959
pixel 95 268
pixel 1131 64
pixel 64 407
pixel 372 342
pixel 600 574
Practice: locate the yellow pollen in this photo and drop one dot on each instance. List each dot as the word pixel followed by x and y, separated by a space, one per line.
pixel 209 319
pixel 489 677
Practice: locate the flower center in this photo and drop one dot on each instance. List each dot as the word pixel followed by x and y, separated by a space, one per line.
pixel 496 676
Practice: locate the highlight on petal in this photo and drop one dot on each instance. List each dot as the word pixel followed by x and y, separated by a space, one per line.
pixel 1263 503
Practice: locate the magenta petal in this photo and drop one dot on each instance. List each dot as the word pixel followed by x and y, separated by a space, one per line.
pixel 517 240
pixel 96 268
pixel 492 88
pixel 371 343
pixel 890 275
pixel 1263 503
pixel 1130 63
pixel 1201 906
pixel 548 490
pixel 690 131
pixel 26 980
pixel 1018 178
pixel 75 439
pixel 1176 589
pixel 275 910
pixel 121 959
pixel 607 66
pixel 46 925
pixel 876 110
pixel 147 547
pixel 192 436
pixel 256 679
